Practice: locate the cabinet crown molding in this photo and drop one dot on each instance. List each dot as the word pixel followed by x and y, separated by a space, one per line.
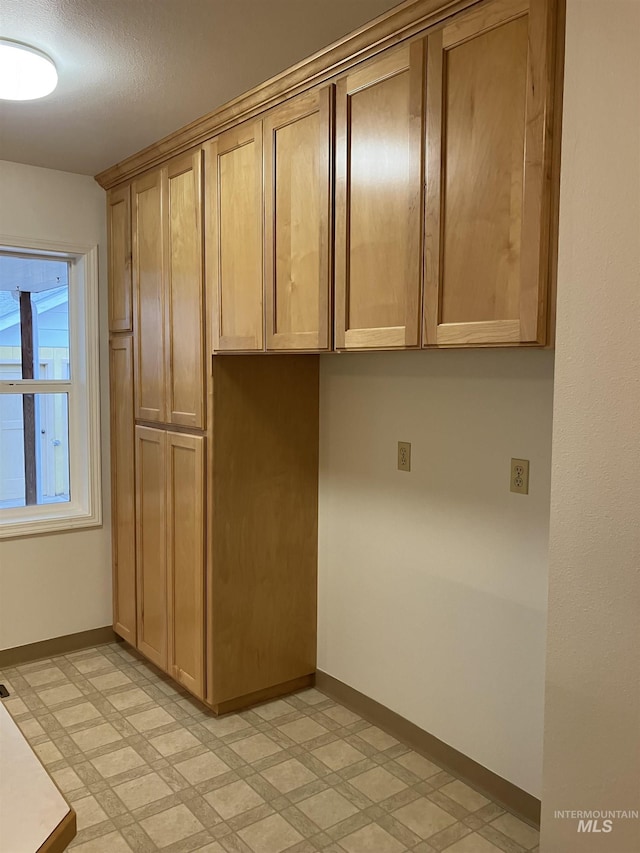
pixel 402 22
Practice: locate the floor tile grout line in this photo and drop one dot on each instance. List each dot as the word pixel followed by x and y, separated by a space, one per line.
pixel 287 730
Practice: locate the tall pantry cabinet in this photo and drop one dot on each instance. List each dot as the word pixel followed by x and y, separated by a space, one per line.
pixel 169 393
pixel 157 381
pixel 214 474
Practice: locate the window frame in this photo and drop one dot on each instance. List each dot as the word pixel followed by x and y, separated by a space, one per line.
pixel 84 509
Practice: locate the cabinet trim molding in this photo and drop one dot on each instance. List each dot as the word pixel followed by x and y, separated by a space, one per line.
pixel 402 22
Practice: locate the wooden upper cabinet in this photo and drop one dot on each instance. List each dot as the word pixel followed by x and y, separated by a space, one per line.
pixel 185 559
pixel 119 233
pixel 298 142
pixel 184 306
pixel 151 544
pixel 123 488
pixel 379 167
pixel 488 176
pixel 169 293
pixel 233 169
pixel 149 293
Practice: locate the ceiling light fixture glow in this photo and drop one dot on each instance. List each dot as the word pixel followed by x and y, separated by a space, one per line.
pixel 25 73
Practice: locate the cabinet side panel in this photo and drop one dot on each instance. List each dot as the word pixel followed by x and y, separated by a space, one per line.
pixel 123 489
pixel 265 522
pixel 483 175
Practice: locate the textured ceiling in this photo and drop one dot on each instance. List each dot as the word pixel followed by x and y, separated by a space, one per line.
pixel 132 71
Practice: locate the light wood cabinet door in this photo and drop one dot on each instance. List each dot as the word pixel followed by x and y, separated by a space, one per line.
pixel 149 296
pixel 488 176
pixel 119 234
pixel 298 142
pixel 184 299
pixel 151 543
pixel 185 559
pixel 123 498
pixel 379 167
pixel 233 169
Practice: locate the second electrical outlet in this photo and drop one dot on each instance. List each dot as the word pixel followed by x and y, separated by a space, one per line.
pixel 404 456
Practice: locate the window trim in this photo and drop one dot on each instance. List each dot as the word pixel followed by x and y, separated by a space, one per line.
pixel 85 469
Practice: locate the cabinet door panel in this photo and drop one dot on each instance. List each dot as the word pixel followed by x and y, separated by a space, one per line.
pixel 119 225
pixel 184 297
pixel 185 559
pixel 149 263
pixel 379 118
pixel 234 237
pixel 487 208
pixel 123 488
pixel 297 157
pixel 151 544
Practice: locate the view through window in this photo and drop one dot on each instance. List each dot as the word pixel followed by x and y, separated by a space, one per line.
pixel 34 345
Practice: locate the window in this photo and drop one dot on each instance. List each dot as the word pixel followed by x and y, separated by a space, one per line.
pixel 49 394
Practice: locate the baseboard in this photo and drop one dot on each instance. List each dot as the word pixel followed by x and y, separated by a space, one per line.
pixel 501 791
pixel 57 646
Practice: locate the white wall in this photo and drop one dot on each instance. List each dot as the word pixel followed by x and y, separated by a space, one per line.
pixel 57 584
pixel 592 714
pixel 433 583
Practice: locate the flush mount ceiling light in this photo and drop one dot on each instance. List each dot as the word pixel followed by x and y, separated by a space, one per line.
pixel 25 73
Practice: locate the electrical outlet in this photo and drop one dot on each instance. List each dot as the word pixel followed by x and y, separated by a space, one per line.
pixel 520 476
pixel 404 456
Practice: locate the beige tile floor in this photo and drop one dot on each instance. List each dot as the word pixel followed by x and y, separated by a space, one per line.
pixel 147 768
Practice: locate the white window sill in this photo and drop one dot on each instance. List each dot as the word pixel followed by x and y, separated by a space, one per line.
pixel 46 518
